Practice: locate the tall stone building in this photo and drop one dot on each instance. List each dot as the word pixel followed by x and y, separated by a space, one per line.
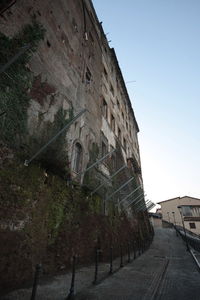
pixel 73 69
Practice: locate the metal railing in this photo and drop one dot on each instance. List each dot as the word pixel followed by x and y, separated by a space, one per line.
pixel 116 258
pixel 190 239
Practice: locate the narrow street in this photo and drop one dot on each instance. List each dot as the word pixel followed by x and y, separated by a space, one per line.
pixel 166 271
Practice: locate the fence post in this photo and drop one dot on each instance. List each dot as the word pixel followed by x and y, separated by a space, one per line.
pixel 111 260
pixel 142 245
pixel 96 265
pixel 139 246
pixel 121 257
pixel 134 250
pixel 38 269
pixel 129 254
pixel 71 291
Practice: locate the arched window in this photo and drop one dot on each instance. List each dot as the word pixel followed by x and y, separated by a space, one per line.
pixel 77 157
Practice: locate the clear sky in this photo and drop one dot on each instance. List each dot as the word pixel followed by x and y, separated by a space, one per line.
pixel 157 43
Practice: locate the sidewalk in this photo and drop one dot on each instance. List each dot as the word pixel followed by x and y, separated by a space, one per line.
pixel 57 287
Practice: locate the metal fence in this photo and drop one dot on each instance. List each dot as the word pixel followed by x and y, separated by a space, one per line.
pixel 190 238
pixel 119 256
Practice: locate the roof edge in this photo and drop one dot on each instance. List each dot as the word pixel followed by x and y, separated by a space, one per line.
pixel 178 198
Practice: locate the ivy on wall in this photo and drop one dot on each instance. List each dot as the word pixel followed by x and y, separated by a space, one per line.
pixel 55 156
pixel 15 82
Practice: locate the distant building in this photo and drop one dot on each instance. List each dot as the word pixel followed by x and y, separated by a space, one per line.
pixel 190 208
pixel 159 211
pixel 155 219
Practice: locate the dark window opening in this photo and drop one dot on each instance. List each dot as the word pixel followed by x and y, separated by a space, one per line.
pixel 88 76
pixel 104 109
pixel 125 144
pixel 111 89
pixel 118 103
pixel 105 73
pixel 119 134
pixel 113 160
pixel 48 44
pixel 91 38
pixel 112 123
pixel 192 225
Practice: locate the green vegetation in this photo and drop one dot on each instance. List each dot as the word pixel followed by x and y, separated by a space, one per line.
pixel 15 82
pixel 55 157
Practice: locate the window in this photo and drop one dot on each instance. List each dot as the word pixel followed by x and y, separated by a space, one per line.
pixel 119 134
pixel 91 38
pixel 122 115
pixel 111 89
pixel 77 157
pixel 105 73
pixel 192 225
pixel 88 76
pixel 118 104
pixel 104 109
pixel 125 144
pixel 195 211
pixel 112 123
pixel 186 211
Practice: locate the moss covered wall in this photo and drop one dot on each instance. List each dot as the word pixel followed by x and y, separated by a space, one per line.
pixel 44 220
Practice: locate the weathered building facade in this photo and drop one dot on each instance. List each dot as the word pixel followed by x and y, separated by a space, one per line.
pixel 74 68
pixel 70 171
pixel 188 207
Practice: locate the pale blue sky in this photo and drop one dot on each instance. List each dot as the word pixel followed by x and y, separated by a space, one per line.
pixel 157 43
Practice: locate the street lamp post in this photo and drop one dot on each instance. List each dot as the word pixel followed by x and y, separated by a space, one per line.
pixel 168 216
pixel 173 213
pixel 186 241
